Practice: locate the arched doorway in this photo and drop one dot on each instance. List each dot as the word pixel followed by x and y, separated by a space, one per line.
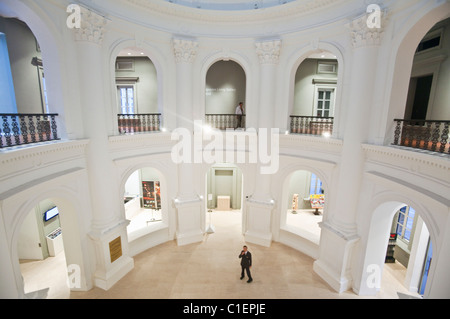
pixel 41 253
pixel 224 197
pixel 409 251
pixel 397 253
pixel 315 91
pixel 48 232
pixel 304 203
pixel 425 113
pixel 137 92
pixel 225 90
pixel 48 91
pixel 144 202
pixel 404 76
pixel 27 115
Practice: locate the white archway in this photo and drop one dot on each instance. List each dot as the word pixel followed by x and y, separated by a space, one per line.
pixel 242 61
pixel 152 233
pixel 294 237
pixel 72 217
pixel 293 64
pixel 52 44
pixel 375 241
pixel 156 58
pixel 405 43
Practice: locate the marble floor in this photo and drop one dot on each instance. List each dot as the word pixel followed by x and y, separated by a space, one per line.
pixel 210 270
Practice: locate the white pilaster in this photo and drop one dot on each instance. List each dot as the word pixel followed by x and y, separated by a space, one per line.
pixel 106 223
pixel 339 232
pixel 187 203
pixel 259 207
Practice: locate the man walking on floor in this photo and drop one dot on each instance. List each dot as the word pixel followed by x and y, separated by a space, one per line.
pixel 246 263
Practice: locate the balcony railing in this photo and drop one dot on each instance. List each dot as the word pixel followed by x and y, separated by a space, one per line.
pixel 20 129
pixel 225 121
pixel 136 123
pixel 313 125
pixel 423 134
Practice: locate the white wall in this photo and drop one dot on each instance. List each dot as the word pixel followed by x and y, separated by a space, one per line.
pixel 299 184
pixel 146 87
pixel 30 239
pixel 225 88
pixel 62 167
pixel 434 62
pixel 22 47
pixel 304 89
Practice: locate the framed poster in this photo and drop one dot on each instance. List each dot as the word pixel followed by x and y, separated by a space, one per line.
pixel 317 202
pixel 151 193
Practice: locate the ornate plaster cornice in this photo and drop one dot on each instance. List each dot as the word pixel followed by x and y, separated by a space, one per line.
pixel 216 16
pixel 364 35
pixel 268 51
pixel 185 51
pixel 92 27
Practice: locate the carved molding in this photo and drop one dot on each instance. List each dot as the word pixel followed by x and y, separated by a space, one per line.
pixel 362 35
pixel 92 28
pixel 215 16
pixel 22 161
pixel 185 51
pixel 268 51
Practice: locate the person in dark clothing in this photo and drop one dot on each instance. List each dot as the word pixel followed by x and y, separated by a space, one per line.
pixel 246 263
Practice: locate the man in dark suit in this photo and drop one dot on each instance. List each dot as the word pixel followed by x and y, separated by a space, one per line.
pixel 246 263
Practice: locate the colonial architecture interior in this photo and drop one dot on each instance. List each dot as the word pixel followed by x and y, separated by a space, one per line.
pixel 144 142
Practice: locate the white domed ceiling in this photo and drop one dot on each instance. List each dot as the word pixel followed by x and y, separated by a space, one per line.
pixel 230 5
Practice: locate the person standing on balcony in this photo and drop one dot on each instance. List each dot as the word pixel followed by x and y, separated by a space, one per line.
pixel 239 112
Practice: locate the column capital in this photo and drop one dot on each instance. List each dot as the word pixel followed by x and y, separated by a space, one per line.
pixel 92 26
pixel 268 51
pixel 184 50
pixel 367 30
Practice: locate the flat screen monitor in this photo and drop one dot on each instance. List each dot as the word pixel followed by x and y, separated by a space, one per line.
pixel 52 212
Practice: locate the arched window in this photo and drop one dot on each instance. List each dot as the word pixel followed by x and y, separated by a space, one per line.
pixel 225 90
pixel 137 92
pixel 315 91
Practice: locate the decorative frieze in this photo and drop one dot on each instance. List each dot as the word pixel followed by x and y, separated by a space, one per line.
pixel 92 27
pixel 413 162
pixel 185 51
pixel 368 29
pixel 268 51
pixel 301 8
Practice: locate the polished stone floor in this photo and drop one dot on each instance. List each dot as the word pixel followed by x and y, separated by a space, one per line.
pixel 210 269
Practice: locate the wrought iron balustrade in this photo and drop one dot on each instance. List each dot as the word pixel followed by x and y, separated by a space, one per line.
pixel 20 129
pixel 136 123
pixel 225 121
pixel 314 125
pixel 423 134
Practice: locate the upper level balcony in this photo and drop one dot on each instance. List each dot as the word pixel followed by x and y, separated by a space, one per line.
pixel 21 129
pixel 138 123
pixel 312 125
pixel 426 135
pixel 225 121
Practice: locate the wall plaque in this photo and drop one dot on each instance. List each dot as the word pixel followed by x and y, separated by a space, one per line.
pixel 115 249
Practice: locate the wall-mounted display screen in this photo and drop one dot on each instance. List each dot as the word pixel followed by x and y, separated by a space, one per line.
pixel 52 212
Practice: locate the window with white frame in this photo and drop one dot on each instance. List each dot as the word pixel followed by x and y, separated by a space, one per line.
pixel 126 96
pixel 324 102
pixel 405 222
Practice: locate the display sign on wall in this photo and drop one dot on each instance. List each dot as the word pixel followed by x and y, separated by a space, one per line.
pixel 115 249
pixel 151 192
